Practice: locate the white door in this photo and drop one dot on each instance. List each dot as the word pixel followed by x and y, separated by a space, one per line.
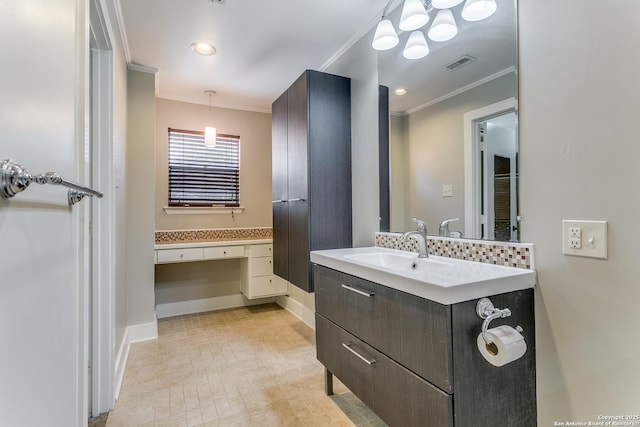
pixel 44 48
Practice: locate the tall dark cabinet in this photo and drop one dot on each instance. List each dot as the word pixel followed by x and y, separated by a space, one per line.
pixel 311 140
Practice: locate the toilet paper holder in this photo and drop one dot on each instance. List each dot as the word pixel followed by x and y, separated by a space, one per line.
pixel 487 311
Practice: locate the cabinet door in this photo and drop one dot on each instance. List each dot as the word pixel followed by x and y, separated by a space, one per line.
pixel 299 267
pixel 411 330
pixel 395 394
pixel 279 187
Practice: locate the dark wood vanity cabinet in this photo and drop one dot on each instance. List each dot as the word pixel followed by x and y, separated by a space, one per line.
pixel 311 143
pixel 415 362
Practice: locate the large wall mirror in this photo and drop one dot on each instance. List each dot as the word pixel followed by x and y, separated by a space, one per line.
pixel 453 135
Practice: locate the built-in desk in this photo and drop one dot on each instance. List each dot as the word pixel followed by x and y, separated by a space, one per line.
pixel 257 279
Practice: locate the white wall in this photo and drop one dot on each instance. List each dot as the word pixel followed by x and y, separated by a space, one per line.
pixel 580 149
pixel 42 376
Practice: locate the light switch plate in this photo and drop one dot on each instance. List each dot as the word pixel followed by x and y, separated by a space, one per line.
pixel 584 238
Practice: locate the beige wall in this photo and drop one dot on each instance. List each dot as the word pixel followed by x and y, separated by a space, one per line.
pixel 579 145
pixel 140 172
pixel 255 163
pixel 200 280
pixel 436 155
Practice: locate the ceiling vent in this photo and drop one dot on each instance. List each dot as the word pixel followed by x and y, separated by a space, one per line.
pixel 460 62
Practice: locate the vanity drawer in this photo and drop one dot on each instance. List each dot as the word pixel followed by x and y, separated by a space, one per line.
pixel 395 394
pixel 265 286
pixel 261 266
pixel 179 255
pixel 224 252
pixel 261 250
pixel 420 337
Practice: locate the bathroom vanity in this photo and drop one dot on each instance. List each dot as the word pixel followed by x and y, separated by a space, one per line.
pixel 405 341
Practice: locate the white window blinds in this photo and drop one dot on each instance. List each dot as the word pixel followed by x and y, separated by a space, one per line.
pixel 203 176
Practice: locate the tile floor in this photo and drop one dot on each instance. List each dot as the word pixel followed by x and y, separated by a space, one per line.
pixel 252 366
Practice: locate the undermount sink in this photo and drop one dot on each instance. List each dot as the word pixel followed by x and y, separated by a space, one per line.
pixel 441 279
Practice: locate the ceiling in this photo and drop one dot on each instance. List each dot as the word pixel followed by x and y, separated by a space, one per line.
pixel 262 47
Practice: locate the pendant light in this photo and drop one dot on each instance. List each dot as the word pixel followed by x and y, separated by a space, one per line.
pixel 385 36
pixel 477 10
pixel 210 134
pixel 444 26
pixel 413 16
pixel 416 46
pixel 445 4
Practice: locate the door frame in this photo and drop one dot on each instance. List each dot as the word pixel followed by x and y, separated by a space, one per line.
pixel 101 345
pixel 472 179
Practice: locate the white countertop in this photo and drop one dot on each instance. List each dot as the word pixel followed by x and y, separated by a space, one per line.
pixel 440 279
pixel 212 243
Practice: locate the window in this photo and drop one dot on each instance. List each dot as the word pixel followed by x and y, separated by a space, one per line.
pixel 203 176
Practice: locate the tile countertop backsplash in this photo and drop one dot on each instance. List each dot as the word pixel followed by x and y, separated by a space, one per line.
pixel 510 254
pixel 213 235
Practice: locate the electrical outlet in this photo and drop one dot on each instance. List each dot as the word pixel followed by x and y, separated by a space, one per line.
pixel 575 243
pixel 584 238
pixel 575 232
pixel 447 190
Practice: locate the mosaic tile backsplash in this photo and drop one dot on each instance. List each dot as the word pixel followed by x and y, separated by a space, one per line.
pixel 213 235
pixel 518 255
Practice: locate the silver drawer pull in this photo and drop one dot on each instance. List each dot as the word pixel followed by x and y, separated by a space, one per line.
pixel 364 359
pixel 357 291
pixel 298 200
pixel 279 201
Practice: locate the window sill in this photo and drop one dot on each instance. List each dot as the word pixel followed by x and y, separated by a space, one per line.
pixel 196 210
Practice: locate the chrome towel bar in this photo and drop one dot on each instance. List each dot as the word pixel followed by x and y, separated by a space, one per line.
pixel 14 178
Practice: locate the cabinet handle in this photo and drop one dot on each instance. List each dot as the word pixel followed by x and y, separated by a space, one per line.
pixel 278 201
pixel 298 200
pixel 357 291
pixel 364 359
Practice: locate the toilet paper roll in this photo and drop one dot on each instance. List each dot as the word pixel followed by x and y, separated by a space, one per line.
pixel 507 345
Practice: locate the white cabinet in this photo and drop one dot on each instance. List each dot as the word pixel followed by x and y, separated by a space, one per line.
pixel 258 280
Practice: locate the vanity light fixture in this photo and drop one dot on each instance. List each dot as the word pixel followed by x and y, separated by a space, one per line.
pixel 203 48
pixel 477 10
pixel 445 4
pixel 385 37
pixel 210 134
pixel 415 15
pixel 444 26
pixel 416 47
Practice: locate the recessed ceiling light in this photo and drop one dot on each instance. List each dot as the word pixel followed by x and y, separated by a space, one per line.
pixel 400 91
pixel 203 48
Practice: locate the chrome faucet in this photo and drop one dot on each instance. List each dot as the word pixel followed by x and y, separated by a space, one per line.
pixel 421 233
pixel 443 230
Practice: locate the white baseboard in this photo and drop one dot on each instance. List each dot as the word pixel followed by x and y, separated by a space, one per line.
pixel 132 334
pixel 298 309
pixel 206 304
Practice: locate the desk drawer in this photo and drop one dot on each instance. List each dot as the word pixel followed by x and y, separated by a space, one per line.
pixel 421 338
pixel 395 394
pixel 221 252
pixel 265 286
pixel 261 250
pixel 261 266
pixel 179 255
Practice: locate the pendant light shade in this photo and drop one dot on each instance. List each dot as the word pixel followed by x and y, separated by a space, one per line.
pixel 444 27
pixel 210 133
pixel 477 10
pixel 413 16
pixel 385 36
pixel 416 46
pixel 445 4
pixel 210 136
